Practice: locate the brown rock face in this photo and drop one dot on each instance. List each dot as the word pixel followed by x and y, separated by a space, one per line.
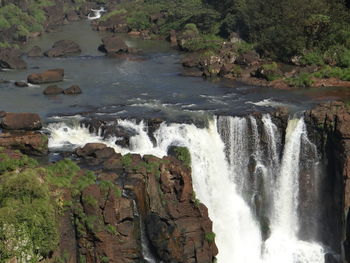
pixel 176 224
pixel 21 121
pixel 159 195
pixel 33 143
pixel 52 75
pixel 329 126
pixel 10 58
pixel 63 48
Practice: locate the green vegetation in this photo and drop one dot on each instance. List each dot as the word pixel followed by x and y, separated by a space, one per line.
pixel 334 72
pixel 28 224
pixel 183 154
pixel 11 163
pixel 303 80
pixel 210 237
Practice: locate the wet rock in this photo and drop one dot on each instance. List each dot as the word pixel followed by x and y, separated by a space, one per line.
pixel 63 48
pixel 113 45
pixel 11 58
pixel 89 149
pixel 328 126
pixel 52 75
pixel 21 121
pixel 21 84
pixel 52 90
pixel 176 223
pixel 35 52
pixel 72 90
pixel 2 113
pixel 33 143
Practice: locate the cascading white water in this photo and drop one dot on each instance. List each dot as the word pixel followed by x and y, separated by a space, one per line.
pixel 283 242
pixel 217 169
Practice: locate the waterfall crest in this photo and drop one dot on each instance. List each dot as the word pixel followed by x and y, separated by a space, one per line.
pixel 241 172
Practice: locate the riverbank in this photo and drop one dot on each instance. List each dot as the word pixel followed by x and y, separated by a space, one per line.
pixel 210 56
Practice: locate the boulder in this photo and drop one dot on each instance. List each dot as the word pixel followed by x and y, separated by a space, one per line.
pixel 51 75
pixel 21 121
pixel 63 48
pixel 35 52
pixel 21 84
pixel 72 90
pixel 249 58
pixel 11 58
pixel 28 142
pixel 52 90
pixel 113 45
pixel 89 149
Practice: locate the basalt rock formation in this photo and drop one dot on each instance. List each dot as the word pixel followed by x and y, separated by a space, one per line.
pixel 117 209
pixel 329 127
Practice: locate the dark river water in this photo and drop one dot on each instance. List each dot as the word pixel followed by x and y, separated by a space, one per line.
pixel 148 85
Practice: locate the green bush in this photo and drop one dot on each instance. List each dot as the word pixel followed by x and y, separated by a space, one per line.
pixel 312 58
pixel 204 42
pixel 303 80
pixel 183 154
pixel 210 237
pixel 28 224
pixel 8 163
pixel 334 72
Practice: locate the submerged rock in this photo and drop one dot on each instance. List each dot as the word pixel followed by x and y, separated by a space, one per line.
pixel 35 52
pixel 21 121
pixel 21 84
pixel 52 75
pixel 63 48
pixel 11 58
pixel 52 90
pixel 72 90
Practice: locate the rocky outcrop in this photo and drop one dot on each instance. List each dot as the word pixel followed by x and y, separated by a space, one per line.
pixel 21 121
pixel 11 58
pixel 63 48
pixel 32 143
pixel 176 225
pixel 329 127
pixel 51 75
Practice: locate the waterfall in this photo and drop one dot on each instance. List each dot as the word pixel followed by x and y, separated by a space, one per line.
pixel 241 172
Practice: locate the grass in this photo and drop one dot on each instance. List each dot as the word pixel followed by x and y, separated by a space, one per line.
pixel 209 237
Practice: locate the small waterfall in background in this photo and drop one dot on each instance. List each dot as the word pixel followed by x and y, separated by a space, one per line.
pixel 241 171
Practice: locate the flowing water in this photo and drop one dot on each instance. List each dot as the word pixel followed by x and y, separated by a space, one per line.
pixel 253 204
pixel 246 170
